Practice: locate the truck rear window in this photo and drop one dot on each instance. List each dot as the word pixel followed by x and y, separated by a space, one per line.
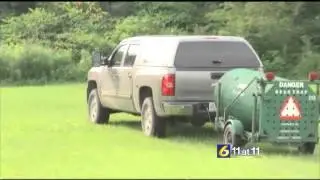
pixel 215 54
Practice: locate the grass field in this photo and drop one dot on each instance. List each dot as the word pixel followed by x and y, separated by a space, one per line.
pixel 45 134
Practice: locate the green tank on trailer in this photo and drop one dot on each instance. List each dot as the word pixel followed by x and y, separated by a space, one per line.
pixel 231 84
pixel 253 106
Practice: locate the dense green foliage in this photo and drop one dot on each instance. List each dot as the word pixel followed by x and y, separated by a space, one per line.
pixel 52 41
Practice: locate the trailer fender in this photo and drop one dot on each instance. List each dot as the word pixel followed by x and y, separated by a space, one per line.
pixel 237 126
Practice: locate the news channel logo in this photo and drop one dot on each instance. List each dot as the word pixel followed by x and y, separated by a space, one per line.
pixel 223 150
pixel 227 150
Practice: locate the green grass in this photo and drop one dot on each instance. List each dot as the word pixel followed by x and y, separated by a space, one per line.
pixel 45 134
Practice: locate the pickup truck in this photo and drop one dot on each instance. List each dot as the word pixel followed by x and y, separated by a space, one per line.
pixel 164 78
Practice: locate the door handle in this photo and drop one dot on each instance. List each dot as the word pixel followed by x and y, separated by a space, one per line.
pixel 129 75
pixel 114 76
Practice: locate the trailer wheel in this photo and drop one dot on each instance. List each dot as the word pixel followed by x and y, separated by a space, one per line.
pixel 307 148
pixel 230 138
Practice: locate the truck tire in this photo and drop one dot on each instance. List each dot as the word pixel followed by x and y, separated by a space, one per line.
pixel 230 138
pixel 97 113
pixel 307 148
pixel 152 125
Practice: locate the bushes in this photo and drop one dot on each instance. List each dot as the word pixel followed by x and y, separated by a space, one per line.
pixel 62 35
pixel 60 39
pixel 30 62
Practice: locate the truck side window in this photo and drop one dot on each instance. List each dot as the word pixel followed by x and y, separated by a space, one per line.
pixel 118 56
pixel 131 55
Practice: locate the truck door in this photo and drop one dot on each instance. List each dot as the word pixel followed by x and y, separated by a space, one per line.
pixel 125 79
pixel 110 79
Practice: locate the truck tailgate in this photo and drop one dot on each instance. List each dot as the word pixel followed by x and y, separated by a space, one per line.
pixel 195 85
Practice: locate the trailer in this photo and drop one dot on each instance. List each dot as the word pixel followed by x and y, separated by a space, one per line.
pixel 253 107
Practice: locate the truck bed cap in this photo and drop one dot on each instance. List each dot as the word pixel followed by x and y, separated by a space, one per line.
pixel 183 38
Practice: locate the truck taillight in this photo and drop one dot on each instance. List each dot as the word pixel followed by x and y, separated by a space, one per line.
pixel 168 85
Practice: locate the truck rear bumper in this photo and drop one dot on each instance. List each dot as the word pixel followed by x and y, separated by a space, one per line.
pixel 190 109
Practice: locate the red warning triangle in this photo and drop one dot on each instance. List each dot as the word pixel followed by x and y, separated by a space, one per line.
pixel 290 109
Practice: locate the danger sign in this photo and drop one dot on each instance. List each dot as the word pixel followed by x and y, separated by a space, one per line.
pixel 290 109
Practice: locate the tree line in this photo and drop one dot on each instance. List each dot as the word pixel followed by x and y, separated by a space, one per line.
pixel 53 41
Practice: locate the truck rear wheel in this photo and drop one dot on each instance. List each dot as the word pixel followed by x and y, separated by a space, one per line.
pixel 230 138
pixel 97 113
pixel 152 125
pixel 307 148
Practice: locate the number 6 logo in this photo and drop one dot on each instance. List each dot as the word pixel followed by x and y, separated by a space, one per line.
pixel 224 151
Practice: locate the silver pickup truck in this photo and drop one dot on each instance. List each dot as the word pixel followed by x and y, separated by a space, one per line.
pixel 164 78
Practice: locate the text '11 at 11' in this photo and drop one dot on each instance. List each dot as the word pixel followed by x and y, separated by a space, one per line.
pixel 227 150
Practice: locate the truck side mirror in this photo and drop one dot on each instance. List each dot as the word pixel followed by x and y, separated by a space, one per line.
pixel 96 58
pixel 108 60
pixel 104 60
